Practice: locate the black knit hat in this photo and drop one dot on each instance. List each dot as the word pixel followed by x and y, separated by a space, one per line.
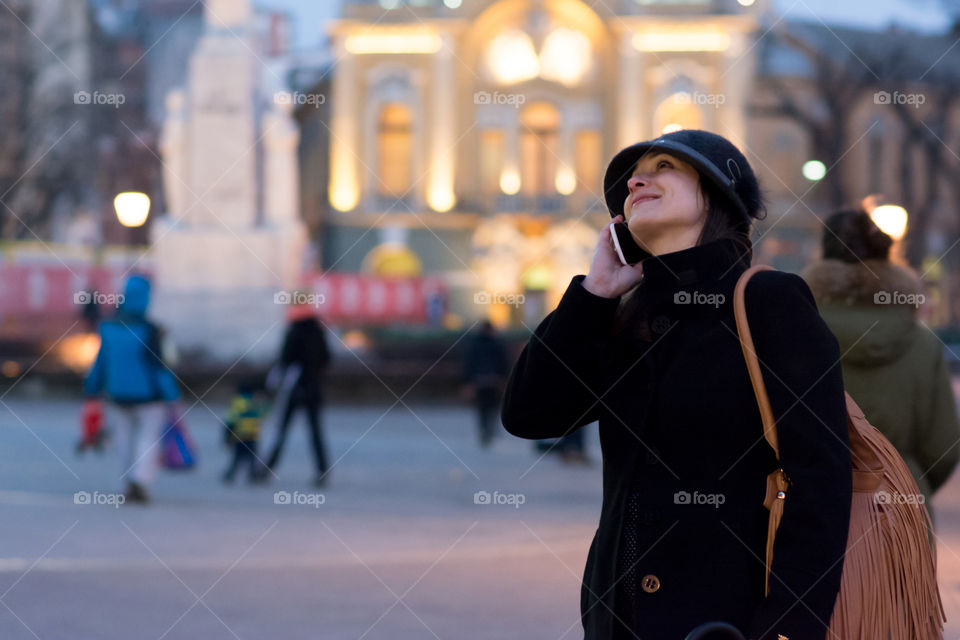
pixel 714 157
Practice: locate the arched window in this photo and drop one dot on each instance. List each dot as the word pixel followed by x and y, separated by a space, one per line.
pixel 678 111
pixel 394 150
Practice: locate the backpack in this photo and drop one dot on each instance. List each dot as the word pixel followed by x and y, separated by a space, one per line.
pixel 889 584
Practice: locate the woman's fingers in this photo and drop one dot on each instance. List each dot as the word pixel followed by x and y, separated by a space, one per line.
pixel 609 277
pixel 630 276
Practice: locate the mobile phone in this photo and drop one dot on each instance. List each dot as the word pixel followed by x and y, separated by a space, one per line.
pixel 628 250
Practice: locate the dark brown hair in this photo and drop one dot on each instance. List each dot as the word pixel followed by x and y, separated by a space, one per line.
pixel 851 236
pixel 722 222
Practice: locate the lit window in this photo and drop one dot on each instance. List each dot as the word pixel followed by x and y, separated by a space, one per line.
pixel 491 160
pixel 512 58
pixel 677 112
pixel 395 147
pixel 565 57
pixel 588 149
pixel 539 133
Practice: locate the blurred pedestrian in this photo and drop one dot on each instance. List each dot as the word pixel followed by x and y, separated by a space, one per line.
pixel 893 366
pixel 130 372
pixel 650 350
pixel 90 314
pixel 485 370
pixel 242 433
pixel 306 355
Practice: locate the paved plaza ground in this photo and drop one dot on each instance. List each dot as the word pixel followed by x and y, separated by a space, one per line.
pixel 398 549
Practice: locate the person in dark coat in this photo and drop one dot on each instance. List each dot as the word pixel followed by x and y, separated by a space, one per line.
pixel 651 352
pixel 304 347
pixel 485 369
pixel 893 366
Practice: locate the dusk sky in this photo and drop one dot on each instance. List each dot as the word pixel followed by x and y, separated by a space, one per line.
pixel 311 16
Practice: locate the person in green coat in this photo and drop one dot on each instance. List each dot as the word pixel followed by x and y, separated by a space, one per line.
pixel 893 366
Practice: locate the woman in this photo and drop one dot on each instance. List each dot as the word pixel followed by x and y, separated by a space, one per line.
pixel 892 366
pixel 651 351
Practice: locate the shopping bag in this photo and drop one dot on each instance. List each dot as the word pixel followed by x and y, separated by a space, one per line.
pixel 177 450
pixel 92 432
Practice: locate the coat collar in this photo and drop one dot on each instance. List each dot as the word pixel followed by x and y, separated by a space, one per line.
pixel 834 282
pixel 672 281
pixel 703 264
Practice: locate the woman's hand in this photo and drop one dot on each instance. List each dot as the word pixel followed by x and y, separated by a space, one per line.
pixel 608 277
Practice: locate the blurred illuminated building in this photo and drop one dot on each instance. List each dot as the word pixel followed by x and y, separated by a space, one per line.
pixel 462 142
pixel 469 139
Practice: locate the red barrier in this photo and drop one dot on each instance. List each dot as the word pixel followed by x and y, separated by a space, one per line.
pixel 359 298
pixel 42 297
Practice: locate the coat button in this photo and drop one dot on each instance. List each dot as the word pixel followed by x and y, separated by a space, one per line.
pixel 650 583
pixel 660 324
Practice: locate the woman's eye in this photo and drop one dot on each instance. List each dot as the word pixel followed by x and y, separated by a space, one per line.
pixel 664 163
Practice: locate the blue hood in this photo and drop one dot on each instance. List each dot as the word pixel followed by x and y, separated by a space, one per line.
pixel 136 296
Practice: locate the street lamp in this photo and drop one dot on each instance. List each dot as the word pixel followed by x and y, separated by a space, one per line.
pixel 566 180
pixel 892 220
pixel 814 170
pixel 510 181
pixel 132 208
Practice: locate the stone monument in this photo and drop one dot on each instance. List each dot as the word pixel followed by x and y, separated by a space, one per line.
pixel 232 239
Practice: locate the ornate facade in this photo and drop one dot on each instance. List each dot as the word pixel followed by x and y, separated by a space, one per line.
pixel 476 137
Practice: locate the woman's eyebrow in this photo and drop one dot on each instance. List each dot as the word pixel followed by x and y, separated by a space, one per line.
pixel 651 158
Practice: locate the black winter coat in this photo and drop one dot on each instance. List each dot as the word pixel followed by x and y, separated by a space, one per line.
pixel 682 532
pixel 305 344
pixel 486 363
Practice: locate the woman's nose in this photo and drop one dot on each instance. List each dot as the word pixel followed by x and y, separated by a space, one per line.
pixel 636 182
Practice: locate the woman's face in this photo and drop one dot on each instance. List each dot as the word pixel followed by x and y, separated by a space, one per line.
pixel 665 206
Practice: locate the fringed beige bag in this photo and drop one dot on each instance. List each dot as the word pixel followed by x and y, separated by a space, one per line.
pixel 889 585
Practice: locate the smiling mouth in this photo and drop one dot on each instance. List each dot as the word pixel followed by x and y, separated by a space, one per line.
pixel 640 199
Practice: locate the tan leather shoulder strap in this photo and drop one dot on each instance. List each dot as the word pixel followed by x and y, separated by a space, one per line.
pixel 750 355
